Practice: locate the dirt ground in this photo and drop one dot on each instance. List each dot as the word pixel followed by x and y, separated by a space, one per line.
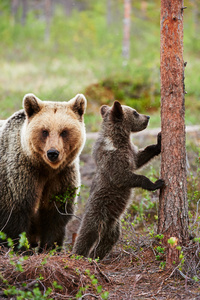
pixel 131 271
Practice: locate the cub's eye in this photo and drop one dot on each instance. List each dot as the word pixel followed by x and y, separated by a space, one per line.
pixel 64 133
pixel 136 114
pixel 45 133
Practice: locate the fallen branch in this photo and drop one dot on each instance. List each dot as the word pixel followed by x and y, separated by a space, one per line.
pixel 101 272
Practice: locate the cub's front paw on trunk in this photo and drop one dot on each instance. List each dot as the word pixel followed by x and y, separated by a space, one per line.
pixel 159 142
pixel 159 184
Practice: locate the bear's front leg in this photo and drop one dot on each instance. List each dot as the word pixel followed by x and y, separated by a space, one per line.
pixel 52 219
pixel 52 223
pixel 145 155
pixel 13 223
pixel 133 180
pixel 145 183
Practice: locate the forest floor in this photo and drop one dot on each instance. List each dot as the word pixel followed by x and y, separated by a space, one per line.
pixel 135 268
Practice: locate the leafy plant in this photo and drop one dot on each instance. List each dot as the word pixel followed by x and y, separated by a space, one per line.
pixel 66 197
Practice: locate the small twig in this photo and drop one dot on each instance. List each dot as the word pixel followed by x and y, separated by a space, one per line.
pixel 101 272
pixel 197 209
pixel 91 295
pixel 160 288
pixel 30 284
pixel 66 213
pixel 137 278
pixel 61 296
pixel 153 250
pixel 145 294
pixel 132 254
pixel 7 219
pixel 185 276
pixel 99 239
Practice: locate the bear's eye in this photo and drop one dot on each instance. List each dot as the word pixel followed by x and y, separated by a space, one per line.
pixel 64 133
pixel 45 133
pixel 136 114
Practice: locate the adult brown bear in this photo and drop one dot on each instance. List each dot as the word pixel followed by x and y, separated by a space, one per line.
pixel 39 164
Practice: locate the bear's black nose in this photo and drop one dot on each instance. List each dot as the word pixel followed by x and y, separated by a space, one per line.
pixel 52 154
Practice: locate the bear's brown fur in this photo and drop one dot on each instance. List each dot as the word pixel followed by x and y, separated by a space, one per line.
pixel 39 169
pixel 116 159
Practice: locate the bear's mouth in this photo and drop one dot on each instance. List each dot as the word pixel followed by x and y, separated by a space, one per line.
pixel 54 165
pixel 146 122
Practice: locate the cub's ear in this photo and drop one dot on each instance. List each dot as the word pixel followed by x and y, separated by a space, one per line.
pixel 32 105
pixel 103 110
pixel 78 104
pixel 117 112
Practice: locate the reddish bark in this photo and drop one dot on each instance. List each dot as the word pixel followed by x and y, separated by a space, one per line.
pixel 127 25
pixel 173 207
pixel 24 11
pixel 48 7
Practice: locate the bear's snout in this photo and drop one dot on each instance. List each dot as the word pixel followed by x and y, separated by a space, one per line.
pixel 52 154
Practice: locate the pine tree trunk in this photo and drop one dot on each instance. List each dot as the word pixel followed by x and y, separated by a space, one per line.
pixel 127 25
pixel 14 8
pixel 24 11
pixel 68 4
pixel 47 5
pixel 109 12
pixel 173 206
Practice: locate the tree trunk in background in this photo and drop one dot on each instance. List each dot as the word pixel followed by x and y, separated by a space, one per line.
pixel 48 19
pixel 173 206
pixel 126 33
pixel 14 8
pixel 144 6
pixel 24 11
pixel 68 4
pixel 113 14
pixel 196 17
pixel 109 12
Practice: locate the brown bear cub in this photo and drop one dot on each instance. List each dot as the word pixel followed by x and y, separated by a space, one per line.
pixel 116 159
pixel 39 169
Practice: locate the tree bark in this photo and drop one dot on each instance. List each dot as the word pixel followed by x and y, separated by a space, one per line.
pixel 109 12
pixel 68 5
pixel 14 8
pixel 196 17
pixel 127 25
pixel 173 206
pixel 24 11
pixel 47 5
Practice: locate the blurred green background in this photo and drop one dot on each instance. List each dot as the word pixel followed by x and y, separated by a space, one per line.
pixel 58 48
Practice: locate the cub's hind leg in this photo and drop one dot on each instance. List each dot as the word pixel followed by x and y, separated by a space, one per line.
pixel 108 239
pixel 86 239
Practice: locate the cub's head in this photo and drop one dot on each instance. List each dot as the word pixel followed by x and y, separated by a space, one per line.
pixel 124 116
pixel 53 132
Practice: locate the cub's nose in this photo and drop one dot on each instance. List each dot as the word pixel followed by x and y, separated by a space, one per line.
pixel 52 154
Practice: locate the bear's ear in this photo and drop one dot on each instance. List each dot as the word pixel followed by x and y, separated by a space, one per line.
pixel 117 112
pixel 31 104
pixel 78 104
pixel 103 110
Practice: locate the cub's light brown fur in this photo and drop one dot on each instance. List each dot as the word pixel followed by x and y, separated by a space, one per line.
pixel 39 160
pixel 116 159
